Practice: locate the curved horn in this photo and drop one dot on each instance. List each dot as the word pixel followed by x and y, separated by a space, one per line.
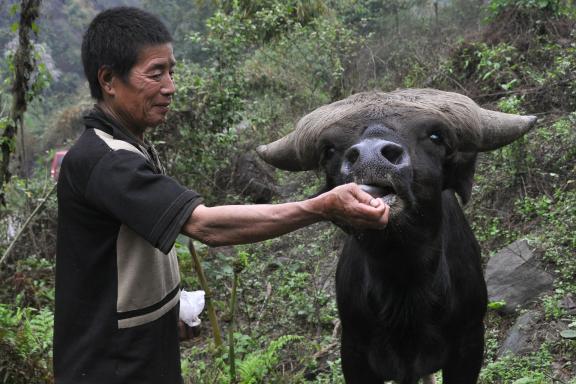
pixel 281 154
pixel 296 151
pixel 500 129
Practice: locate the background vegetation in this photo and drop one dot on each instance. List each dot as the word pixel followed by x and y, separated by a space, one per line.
pixel 247 70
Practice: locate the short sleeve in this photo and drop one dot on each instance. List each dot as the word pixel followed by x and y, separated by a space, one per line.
pixel 153 205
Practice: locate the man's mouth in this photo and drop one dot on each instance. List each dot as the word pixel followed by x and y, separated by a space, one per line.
pixel 386 193
pixel 163 107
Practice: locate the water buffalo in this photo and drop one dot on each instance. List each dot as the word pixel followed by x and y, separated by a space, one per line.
pixel 412 297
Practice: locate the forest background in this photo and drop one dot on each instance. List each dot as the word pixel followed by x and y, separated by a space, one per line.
pixel 247 71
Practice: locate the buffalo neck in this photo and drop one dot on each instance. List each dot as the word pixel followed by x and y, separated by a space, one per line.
pixel 405 255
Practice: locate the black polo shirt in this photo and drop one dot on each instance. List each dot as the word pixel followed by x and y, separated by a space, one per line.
pixel 117 278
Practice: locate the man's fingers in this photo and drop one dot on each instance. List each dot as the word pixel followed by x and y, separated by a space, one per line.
pixel 359 194
pixel 360 209
pixel 376 202
pixel 372 215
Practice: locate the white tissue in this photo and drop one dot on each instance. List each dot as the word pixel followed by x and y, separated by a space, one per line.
pixel 191 305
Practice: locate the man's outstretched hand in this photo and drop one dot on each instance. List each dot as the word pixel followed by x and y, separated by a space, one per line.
pixel 350 205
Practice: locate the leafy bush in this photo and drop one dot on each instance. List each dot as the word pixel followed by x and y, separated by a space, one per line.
pixel 26 345
pixel 255 366
pixel 533 368
pixel 286 67
pixel 555 7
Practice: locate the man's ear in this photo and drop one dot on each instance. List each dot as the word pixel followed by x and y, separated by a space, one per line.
pixel 105 78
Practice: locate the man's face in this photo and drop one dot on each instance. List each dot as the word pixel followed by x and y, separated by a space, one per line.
pixel 143 100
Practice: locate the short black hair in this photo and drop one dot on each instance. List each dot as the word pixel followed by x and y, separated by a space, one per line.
pixel 115 38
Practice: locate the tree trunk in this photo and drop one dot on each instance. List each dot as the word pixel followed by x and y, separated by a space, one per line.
pixel 24 67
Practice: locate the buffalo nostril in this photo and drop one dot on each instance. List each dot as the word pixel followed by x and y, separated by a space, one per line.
pixel 392 153
pixel 352 155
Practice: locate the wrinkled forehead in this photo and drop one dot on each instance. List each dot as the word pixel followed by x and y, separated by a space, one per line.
pixel 397 119
pixel 156 55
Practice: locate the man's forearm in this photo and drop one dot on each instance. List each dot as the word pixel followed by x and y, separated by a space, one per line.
pixel 241 224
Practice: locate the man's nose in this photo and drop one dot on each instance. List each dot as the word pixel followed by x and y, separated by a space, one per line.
pixel 168 87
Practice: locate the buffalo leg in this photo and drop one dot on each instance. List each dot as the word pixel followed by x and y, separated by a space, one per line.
pixel 465 362
pixel 355 364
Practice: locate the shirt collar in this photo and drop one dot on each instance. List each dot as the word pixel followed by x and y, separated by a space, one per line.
pixel 98 119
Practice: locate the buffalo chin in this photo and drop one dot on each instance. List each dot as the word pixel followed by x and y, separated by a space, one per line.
pixel 397 206
pixel 389 199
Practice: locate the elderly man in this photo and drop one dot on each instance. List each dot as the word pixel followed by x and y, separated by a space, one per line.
pixel 117 279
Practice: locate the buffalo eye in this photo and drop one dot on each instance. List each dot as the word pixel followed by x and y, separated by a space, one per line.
pixel 436 137
pixel 329 152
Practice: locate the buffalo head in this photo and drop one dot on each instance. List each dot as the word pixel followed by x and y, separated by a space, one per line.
pixel 405 146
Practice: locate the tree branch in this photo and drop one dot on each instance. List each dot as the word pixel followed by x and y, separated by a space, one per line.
pixel 27 223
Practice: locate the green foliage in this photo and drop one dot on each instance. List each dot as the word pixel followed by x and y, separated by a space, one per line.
pixel 558 239
pixel 266 19
pixel 286 68
pixel 293 292
pixel 188 279
pixel 491 337
pixel 496 305
pixel 533 368
pixel 544 207
pixel 256 365
pixel 491 67
pixel 217 265
pixel 369 14
pixel 29 77
pixel 26 343
pixel 334 374
pixel 214 95
pixel 535 379
pixel 534 207
pixel 23 196
pixel 494 61
pixel 488 227
pixel 511 104
pixel 562 136
pixel 39 77
pixel 182 17
pixel 554 6
pixel 302 284
pixel 551 305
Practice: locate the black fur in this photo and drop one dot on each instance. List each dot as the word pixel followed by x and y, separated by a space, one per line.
pixel 411 298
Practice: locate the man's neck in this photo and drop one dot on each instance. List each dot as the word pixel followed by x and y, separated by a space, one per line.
pixel 134 131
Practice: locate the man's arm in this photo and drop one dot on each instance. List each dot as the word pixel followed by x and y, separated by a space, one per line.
pixel 241 224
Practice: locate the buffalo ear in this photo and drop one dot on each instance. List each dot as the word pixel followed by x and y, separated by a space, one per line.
pixel 459 174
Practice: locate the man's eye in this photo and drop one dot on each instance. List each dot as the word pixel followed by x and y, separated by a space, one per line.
pixel 156 76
